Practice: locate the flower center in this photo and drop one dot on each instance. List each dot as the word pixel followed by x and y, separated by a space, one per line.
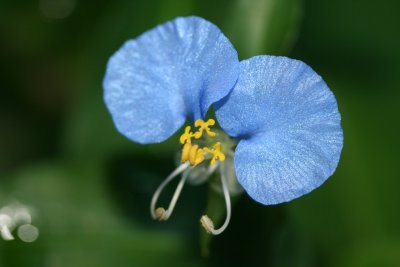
pixel 193 152
pixel 200 146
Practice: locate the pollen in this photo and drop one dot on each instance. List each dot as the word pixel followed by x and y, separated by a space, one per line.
pixel 193 152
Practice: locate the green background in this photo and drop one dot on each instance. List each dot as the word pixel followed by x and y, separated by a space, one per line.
pixel 90 188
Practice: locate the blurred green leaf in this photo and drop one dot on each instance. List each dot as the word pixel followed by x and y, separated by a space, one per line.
pixel 170 9
pixel 79 225
pixel 262 27
pixel 385 254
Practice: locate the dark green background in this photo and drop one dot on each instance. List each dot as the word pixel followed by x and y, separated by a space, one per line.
pixel 91 188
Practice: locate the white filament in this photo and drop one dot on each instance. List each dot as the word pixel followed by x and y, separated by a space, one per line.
pixel 162 214
pixel 206 222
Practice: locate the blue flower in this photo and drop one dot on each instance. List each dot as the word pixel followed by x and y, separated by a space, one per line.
pixel 288 124
pixel 169 74
pixel 281 133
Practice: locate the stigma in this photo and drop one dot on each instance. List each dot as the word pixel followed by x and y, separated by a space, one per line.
pixel 200 147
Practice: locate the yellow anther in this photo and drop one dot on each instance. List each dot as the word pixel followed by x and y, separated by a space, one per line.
pixel 199 157
pixel 216 153
pixel 204 126
pixel 193 154
pixel 185 152
pixel 186 137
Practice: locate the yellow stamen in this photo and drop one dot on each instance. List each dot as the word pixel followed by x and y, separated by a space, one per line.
pixel 185 152
pixel 199 157
pixel 186 137
pixel 193 153
pixel 204 126
pixel 216 153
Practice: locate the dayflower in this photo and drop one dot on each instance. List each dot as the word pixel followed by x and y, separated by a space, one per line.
pixel 281 135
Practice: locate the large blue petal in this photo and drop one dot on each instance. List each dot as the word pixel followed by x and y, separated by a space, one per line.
pixel 172 72
pixel 290 128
